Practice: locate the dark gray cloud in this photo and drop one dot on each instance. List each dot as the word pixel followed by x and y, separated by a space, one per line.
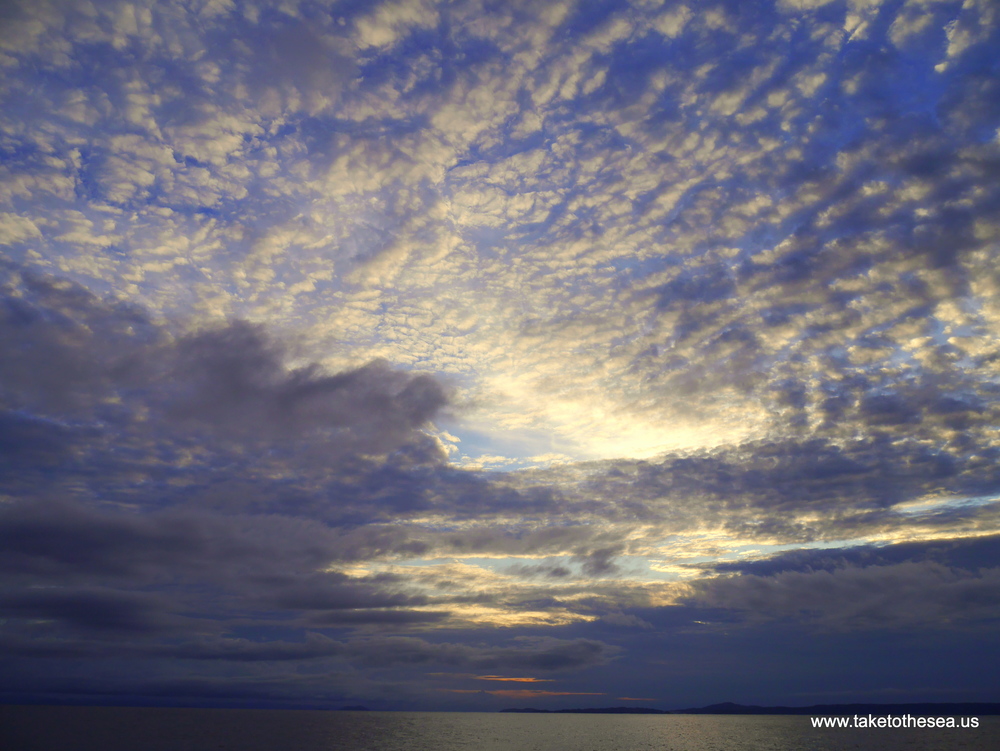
pixel 526 653
pixel 546 570
pixel 98 389
pixel 87 609
pixel 769 489
pixel 260 568
pixel 75 354
pixel 546 654
pixel 970 554
pixel 902 595
pixel 63 539
pixel 233 379
pixel 102 403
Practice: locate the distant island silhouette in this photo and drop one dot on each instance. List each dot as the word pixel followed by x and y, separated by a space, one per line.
pixel 918 709
pixel 593 710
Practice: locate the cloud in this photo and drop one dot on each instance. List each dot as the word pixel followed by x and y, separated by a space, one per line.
pixel 263 564
pixel 87 609
pixel 627 620
pixel 300 300
pixel 520 693
pixel 392 20
pixel 63 539
pixel 659 190
pixel 229 378
pixel 537 653
pixel 903 595
pixel 233 378
pixel 15 229
pixel 109 369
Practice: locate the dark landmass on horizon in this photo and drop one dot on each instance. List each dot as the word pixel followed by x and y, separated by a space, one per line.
pixel 592 710
pixel 920 709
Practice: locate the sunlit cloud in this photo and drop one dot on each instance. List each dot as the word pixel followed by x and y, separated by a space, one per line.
pixel 501 678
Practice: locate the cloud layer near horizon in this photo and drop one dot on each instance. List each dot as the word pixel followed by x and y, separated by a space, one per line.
pixel 349 345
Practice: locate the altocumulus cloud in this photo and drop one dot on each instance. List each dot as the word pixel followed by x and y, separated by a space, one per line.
pixel 344 345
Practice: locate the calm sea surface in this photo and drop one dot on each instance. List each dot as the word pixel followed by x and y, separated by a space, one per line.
pixel 131 729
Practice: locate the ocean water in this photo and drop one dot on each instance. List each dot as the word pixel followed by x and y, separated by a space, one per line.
pixel 37 728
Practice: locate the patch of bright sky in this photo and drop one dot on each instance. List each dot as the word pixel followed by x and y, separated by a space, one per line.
pixel 581 427
pixel 937 505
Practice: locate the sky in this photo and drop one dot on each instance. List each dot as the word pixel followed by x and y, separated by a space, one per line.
pixel 466 355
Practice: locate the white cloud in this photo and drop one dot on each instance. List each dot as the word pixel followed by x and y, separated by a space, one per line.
pixel 393 20
pixel 15 229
